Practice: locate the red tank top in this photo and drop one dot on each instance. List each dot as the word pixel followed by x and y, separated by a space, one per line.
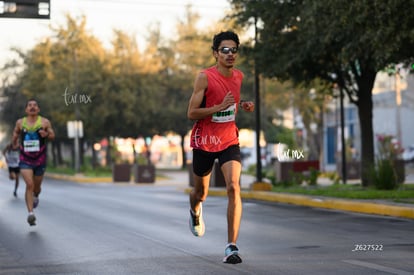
pixel 219 131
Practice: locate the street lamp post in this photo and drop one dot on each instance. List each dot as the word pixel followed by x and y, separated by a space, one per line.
pixel 343 150
pixel 257 109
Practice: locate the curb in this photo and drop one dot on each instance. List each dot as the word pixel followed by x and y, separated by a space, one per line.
pixel 327 203
pixel 78 179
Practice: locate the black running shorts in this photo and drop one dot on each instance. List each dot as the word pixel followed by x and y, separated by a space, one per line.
pixel 14 170
pixel 203 161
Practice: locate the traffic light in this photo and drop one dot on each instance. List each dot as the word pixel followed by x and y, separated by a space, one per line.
pixel 37 9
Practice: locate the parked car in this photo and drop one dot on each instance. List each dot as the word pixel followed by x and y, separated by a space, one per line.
pixel 408 154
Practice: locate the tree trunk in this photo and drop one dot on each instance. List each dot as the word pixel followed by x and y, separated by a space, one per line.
pixel 365 109
pixel 59 151
pixel 109 159
pixel 95 155
pixel 54 156
pixel 81 152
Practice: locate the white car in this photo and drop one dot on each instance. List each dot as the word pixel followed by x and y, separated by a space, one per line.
pixel 408 154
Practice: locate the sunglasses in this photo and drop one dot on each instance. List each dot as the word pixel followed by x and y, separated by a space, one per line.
pixel 227 50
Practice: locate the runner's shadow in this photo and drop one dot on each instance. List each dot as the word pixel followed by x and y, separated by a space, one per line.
pixel 35 238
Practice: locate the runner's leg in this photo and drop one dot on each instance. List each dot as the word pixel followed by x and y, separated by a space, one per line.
pixel 231 171
pixel 37 185
pixel 27 175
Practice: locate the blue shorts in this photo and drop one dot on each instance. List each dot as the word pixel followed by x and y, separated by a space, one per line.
pixel 38 170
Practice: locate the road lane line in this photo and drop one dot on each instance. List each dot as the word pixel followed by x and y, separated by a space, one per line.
pixel 378 267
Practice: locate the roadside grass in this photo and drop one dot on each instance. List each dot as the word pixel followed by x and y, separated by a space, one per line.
pixel 63 170
pixel 101 172
pixel 88 171
pixel 404 193
pixel 98 172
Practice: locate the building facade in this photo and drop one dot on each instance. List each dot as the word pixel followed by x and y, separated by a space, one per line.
pixel 393 114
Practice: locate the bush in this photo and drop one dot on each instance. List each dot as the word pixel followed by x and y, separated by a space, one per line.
pixel 312 178
pixel 384 175
pixel 270 174
pixel 296 178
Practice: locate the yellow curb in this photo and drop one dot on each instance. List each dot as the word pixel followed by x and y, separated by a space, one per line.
pixel 79 179
pixel 261 186
pixel 328 203
pixel 338 204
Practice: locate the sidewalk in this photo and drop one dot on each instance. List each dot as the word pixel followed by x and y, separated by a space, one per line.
pixel 180 179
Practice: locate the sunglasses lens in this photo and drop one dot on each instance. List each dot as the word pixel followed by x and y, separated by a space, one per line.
pixel 227 50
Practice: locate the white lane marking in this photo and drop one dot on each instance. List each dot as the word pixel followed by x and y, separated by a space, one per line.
pixel 378 267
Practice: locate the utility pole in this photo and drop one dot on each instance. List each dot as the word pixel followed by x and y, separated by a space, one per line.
pixel 257 108
pixel 77 115
pixel 343 150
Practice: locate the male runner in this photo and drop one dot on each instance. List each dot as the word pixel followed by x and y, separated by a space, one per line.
pixel 213 106
pixel 12 160
pixel 33 131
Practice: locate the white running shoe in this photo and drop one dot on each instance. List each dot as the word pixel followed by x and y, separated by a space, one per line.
pixel 197 226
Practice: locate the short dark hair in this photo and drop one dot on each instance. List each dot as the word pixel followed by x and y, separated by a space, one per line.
pixel 226 35
pixel 32 99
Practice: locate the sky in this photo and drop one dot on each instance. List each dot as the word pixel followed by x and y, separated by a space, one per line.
pixel 102 16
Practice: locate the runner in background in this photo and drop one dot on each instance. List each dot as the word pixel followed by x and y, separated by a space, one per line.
pixel 12 160
pixel 32 133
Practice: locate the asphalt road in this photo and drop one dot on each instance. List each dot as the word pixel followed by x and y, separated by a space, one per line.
pixel 143 229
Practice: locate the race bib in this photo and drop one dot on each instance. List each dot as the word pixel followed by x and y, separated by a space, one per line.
pixel 31 145
pixel 226 115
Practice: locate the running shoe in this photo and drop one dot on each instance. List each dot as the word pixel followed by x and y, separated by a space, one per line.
pixel 31 219
pixel 232 255
pixel 197 223
pixel 35 201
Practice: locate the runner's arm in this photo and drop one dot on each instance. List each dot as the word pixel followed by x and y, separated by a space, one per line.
pixel 16 134
pixel 48 131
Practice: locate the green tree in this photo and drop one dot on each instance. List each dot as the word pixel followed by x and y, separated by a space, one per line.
pixel 58 71
pixel 346 44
